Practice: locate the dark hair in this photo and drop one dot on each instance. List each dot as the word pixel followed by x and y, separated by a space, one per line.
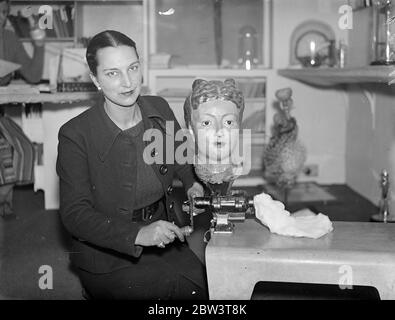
pixel 108 38
pixel 203 91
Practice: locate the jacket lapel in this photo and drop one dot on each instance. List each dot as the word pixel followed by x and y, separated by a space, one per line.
pixel 153 119
pixel 104 131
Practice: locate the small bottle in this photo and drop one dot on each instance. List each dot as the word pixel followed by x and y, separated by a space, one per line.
pixel 342 54
pixel 384 214
pixel 332 57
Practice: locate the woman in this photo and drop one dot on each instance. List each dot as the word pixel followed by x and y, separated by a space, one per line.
pixel 119 210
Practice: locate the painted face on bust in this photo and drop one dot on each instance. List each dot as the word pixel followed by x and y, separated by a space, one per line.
pixel 119 75
pixel 215 126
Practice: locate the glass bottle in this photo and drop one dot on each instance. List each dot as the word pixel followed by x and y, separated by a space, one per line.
pixel 248 48
pixel 383 37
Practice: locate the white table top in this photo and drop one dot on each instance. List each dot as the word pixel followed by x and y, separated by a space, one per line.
pixel 356 238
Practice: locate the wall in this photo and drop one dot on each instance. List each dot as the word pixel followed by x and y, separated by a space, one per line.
pixel 321 113
pixel 122 16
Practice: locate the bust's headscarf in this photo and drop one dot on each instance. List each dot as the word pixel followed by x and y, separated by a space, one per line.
pixel 203 91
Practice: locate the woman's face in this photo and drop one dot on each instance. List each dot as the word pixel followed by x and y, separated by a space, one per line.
pixel 119 75
pixel 215 126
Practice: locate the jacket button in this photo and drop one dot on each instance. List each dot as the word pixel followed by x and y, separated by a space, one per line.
pixel 154 153
pixel 163 169
pixel 169 189
pixel 171 205
pixel 128 185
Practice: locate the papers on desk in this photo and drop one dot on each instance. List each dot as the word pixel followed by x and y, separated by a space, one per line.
pixel 7 67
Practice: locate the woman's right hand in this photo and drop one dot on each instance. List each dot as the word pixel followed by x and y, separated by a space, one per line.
pixel 158 233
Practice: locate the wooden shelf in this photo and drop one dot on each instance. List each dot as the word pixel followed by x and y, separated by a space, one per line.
pixel 208 71
pixel 336 76
pixel 68 39
pixel 60 97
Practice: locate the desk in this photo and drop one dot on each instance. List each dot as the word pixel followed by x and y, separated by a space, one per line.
pixel 236 262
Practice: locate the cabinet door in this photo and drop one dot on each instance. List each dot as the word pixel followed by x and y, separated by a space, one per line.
pixel 211 33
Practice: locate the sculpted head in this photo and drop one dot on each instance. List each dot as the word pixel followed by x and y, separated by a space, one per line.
pixel 213 112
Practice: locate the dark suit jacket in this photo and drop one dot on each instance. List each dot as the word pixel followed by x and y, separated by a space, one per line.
pixel 97 186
